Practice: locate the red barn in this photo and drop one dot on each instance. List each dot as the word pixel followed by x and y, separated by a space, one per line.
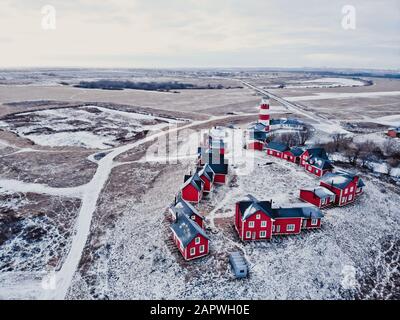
pixel 293 154
pixel 312 152
pixel 318 166
pixel 319 196
pixel 190 238
pixel 207 174
pixel 192 189
pixel 181 207
pixel 276 149
pixel 257 220
pixel 343 185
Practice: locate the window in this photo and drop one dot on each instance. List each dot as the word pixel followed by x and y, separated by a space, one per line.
pixel 263 224
pixel 181 245
pixel 193 217
pixel 263 234
pixel 350 197
pixel 192 251
pixel 344 199
pixel 251 224
pixel 316 171
pixel 258 216
pixel 351 189
pixel 197 240
pixel 345 191
pixel 273 228
pixel 202 248
pixel 314 222
pixel 323 201
pixel 278 154
pixel 290 227
pixel 248 234
pixel 278 228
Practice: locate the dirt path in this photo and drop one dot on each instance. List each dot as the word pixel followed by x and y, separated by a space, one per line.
pixel 89 194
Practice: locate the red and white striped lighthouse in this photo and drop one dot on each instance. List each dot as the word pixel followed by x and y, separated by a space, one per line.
pixel 264 112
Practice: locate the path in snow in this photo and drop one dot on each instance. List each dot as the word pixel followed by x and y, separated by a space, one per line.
pixel 89 195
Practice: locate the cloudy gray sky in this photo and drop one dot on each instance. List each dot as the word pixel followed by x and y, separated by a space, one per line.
pixel 200 33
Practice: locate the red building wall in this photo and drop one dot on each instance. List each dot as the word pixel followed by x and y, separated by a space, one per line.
pixel 247 233
pixel 192 244
pixel 274 153
pixel 255 145
pixel 310 197
pixel 307 224
pixel 207 184
pixel 191 194
pixel 288 156
pixel 281 224
pixel 219 178
pixel 342 197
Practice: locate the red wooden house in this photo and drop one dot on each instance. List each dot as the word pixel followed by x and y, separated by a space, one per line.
pixel 181 207
pixel 319 196
pixel 318 166
pixel 394 132
pixel 256 139
pixel 276 149
pixel 207 174
pixel 257 220
pixel 253 219
pixel 293 154
pixel 343 185
pixel 192 189
pixel 312 152
pixel 191 240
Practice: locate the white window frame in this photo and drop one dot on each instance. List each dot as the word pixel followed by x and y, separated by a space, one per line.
pixel 350 197
pixel 317 171
pixel 202 248
pixel 258 216
pixel 263 234
pixel 248 234
pixel 193 217
pixel 197 240
pixel 263 224
pixel 351 189
pixel 314 222
pixel 192 251
pixel 278 228
pixel 345 191
pixel 323 201
pixel 290 227
pixel 344 199
pixel 251 224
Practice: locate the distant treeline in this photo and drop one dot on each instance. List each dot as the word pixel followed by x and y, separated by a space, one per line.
pixel 152 86
pixel 356 74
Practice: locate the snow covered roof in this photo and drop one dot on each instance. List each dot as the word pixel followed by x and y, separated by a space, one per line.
pixel 296 151
pixel 299 211
pixel 258 135
pixel 317 152
pixel 186 229
pixel 337 179
pixel 286 122
pixel 321 192
pixel 194 180
pixel 250 207
pixel 257 126
pixel 208 172
pixel 277 146
pixel 219 168
pixel 183 207
pixel 320 163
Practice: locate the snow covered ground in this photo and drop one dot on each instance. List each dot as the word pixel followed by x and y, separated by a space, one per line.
pixel 88 127
pixel 325 83
pixel 343 95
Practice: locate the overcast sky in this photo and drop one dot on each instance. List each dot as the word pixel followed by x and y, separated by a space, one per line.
pixel 200 33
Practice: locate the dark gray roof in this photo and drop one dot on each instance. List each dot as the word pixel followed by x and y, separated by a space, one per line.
pixel 298 211
pixel 183 207
pixel 360 183
pixel 186 229
pixel 317 152
pixel 338 180
pixel 208 172
pixel 296 151
pixel 320 163
pixel 258 135
pixel 286 122
pixel 251 206
pixel 277 146
pixel 194 180
pixel 257 126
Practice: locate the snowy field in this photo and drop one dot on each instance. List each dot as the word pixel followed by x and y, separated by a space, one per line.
pixel 89 127
pixel 325 83
pixel 135 261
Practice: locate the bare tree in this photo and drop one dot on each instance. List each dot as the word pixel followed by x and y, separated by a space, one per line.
pixel 339 140
pixel 393 162
pixel 366 151
pixel 389 147
pixel 305 135
pixel 290 138
pixel 352 152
